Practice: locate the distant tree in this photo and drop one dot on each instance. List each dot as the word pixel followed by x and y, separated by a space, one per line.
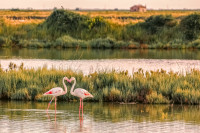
pixel 77 9
pixel 15 9
pixel 55 8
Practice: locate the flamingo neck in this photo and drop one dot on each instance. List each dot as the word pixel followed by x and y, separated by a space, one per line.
pixel 71 91
pixel 65 87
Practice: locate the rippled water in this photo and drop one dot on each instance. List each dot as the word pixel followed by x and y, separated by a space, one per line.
pixel 29 117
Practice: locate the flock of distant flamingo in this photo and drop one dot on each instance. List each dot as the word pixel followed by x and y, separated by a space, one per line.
pixel 79 92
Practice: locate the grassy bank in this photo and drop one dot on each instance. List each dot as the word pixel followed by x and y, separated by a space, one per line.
pixel 18 83
pixel 65 29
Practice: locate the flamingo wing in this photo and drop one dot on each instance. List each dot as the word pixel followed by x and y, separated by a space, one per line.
pixel 82 93
pixel 54 91
pixel 85 92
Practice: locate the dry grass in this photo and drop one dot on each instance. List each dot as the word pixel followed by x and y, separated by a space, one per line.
pixel 22 13
pixel 116 16
pixel 25 21
pixel 111 16
pixel 7 15
pixel 135 14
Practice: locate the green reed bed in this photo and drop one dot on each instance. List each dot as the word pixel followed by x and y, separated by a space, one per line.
pixel 157 87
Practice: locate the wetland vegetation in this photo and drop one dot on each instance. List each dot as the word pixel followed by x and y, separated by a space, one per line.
pixel 157 87
pixel 66 29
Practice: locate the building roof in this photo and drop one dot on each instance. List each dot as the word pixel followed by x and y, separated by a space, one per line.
pixel 140 6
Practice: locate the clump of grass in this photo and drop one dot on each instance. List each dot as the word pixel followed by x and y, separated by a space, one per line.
pixel 69 42
pixel 114 94
pixel 21 94
pixel 154 97
pixel 102 43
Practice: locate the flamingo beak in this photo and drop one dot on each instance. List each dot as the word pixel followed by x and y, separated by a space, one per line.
pixel 91 96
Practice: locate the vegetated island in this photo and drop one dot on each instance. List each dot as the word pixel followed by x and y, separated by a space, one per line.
pixel 76 29
pixel 153 87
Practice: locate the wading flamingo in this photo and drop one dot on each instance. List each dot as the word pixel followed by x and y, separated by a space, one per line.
pixel 57 91
pixel 79 92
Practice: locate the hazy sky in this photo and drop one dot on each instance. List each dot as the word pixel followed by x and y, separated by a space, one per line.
pixel 102 4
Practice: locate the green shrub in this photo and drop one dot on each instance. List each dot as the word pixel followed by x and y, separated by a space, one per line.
pixel 155 23
pixel 190 25
pixel 195 44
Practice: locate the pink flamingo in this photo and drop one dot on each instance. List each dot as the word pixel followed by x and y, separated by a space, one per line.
pixel 57 91
pixel 79 92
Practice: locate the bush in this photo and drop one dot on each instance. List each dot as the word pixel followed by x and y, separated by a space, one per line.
pixel 96 22
pixel 155 23
pixel 64 22
pixel 195 44
pixel 190 25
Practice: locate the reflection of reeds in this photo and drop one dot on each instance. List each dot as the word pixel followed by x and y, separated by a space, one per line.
pixel 158 86
pixel 105 111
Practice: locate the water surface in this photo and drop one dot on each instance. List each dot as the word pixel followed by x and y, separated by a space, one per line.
pixel 79 54
pixel 18 117
pixel 91 60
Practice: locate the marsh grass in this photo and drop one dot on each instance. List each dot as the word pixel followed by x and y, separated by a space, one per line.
pixel 153 87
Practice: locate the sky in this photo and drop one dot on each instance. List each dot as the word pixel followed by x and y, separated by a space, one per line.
pixel 100 4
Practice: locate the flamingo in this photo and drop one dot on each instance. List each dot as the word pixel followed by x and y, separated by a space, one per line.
pixel 79 92
pixel 57 91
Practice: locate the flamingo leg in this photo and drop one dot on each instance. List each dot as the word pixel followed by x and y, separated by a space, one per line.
pixel 79 112
pixel 49 104
pixel 82 108
pixel 80 103
pixel 55 105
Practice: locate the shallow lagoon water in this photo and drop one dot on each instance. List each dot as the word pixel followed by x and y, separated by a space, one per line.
pixel 31 117
pixel 19 117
